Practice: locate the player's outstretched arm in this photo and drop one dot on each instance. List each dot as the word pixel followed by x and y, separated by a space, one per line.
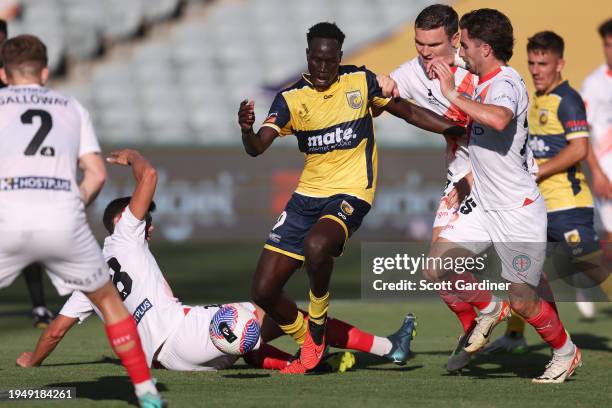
pixel 94 176
pixel 493 116
pixel 146 179
pixel 423 118
pixel 47 342
pixel 254 143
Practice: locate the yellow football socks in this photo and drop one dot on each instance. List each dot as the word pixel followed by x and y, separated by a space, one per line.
pixel 606 287
pixel 317 309
pixel 297 329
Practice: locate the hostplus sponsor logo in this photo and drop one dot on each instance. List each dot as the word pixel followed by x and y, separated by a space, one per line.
pixel 142 308
pixel 34 183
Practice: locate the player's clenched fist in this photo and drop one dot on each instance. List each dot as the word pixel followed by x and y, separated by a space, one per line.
pixel 123 157
pixel 246 114
pixel 388 86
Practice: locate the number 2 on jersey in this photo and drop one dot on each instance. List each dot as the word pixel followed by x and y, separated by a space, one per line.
pixel 46 123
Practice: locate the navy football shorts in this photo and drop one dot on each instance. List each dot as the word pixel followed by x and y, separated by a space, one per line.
pixel 574 230
pixel 302 212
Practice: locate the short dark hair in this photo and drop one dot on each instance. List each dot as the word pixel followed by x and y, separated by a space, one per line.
pixel 325 30
pixel 438 15
pixel 546 41
pixel 492 27
pixel 3 27
pixel 605 29
pixel 116 207
pixel 24 53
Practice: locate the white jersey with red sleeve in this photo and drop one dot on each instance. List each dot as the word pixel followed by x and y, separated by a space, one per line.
pixel 42 135
pixel 413 83
pixel 500 160
pixel 141 284
pixel 597 95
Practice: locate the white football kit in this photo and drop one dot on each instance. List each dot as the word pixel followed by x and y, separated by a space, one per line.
pixel 413 83
pixel 42 135
pixel 179 334
pixel 509 211
pixel 597 94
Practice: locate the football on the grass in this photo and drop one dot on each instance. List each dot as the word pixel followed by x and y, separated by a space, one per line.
pixel 234 329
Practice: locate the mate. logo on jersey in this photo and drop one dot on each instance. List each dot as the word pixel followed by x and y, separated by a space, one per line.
pixel 336 138
pixel 355 100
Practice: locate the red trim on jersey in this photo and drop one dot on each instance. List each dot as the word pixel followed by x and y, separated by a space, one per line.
pixel 453 112
pixel 609 72
pixel 527 202
pixel 454 68
pixel 489 75
pixel 186 310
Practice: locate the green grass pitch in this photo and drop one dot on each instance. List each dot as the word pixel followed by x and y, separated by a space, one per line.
pixel 204 275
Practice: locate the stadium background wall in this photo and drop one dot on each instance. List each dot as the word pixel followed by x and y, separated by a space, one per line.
pixel 222 194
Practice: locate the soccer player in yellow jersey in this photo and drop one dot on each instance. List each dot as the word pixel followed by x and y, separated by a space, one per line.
pixel 559 140
pixel 329 111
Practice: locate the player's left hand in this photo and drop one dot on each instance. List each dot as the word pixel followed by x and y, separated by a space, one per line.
pixel 443 72
pixel 25 359
pixel 122 157
pixel 434 60
pixel 462 189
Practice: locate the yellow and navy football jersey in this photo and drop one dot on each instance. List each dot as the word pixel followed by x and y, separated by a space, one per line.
pixel 335 131
pixel 554 119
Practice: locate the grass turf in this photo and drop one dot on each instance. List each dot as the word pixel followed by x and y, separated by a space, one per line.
pixel 203 275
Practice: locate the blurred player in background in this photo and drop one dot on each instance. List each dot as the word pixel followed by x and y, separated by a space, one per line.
pixel 437 39
pixel 328 110
pixel 597 94
pixel 175 336
pixel 510 212
pixel 44 135
pixel 558 137
pixel 33 273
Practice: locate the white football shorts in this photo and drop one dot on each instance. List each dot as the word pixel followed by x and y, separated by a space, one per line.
pixel 189 347
pixel 518 235
pixel 72 258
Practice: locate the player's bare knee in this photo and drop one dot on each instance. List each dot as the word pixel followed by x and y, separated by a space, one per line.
pixel 262 295
pixel 318 247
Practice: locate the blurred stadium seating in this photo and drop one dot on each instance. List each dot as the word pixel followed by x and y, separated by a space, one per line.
pixel 181 83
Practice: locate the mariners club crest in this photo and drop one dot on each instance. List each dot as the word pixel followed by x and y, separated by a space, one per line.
pixel 543 116
pixel 354 98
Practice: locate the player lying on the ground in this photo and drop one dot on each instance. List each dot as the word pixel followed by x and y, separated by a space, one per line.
pixel 176 336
